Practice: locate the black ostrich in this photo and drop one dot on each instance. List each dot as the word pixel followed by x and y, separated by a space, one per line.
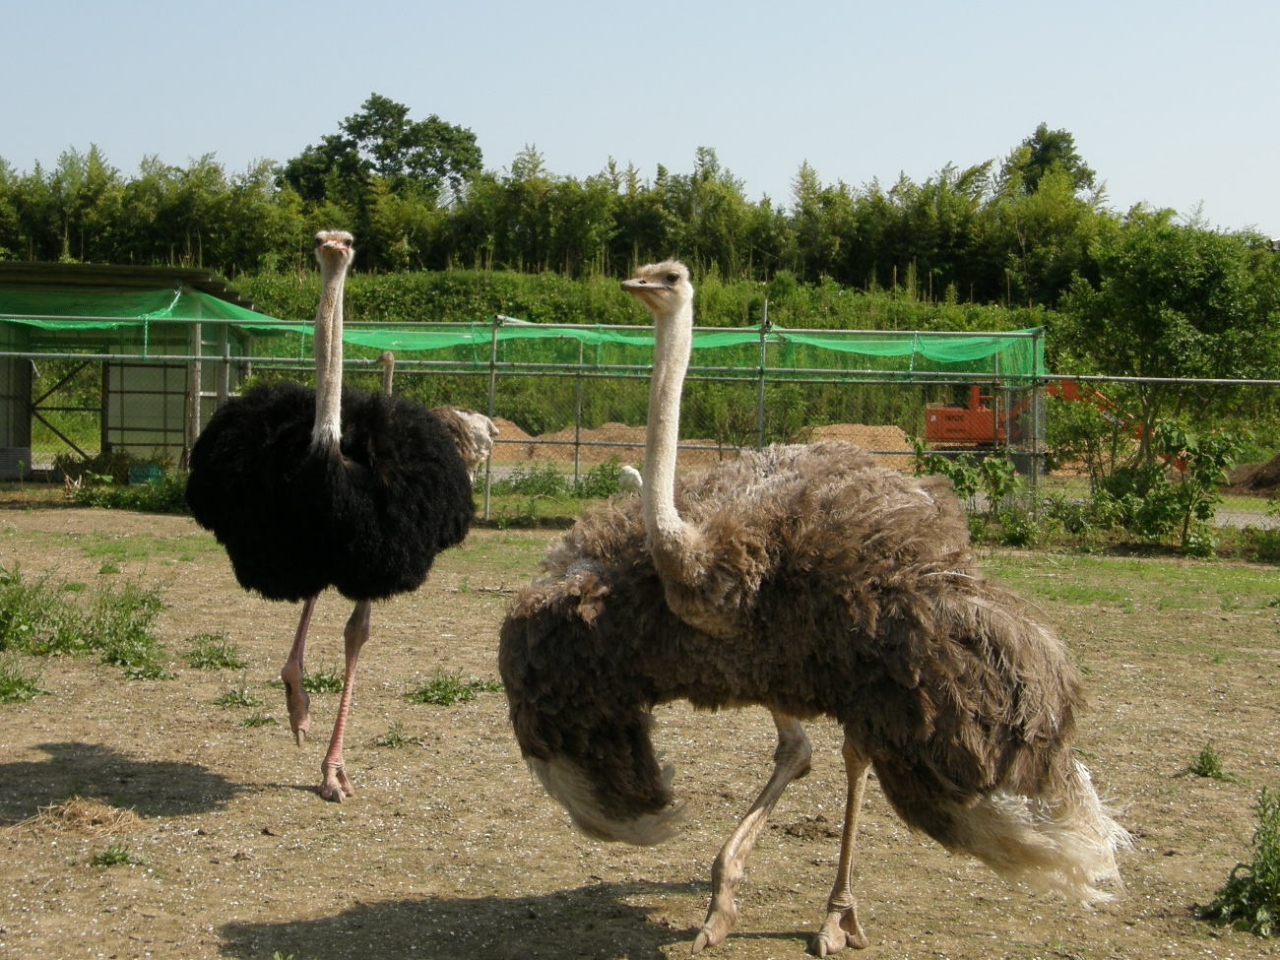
pixel 309 489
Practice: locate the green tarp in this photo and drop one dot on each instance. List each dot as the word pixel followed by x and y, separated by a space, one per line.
pixel 125 312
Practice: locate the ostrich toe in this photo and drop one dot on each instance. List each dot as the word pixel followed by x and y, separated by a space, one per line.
pixel 337 785
pixel 299 703
pixel 720 922
pixel 840 930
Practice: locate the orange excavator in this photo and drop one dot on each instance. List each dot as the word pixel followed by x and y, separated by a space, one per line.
pixel 982 422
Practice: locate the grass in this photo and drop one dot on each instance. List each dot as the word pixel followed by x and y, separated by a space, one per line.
pixel 214 652
pixel 42 618
pixel 395 738
pixel 255 720
pixel 15 685
pixel 1250 899
pixel 446 689
pixel 1208 764
pixel 116 855
pixel 238 697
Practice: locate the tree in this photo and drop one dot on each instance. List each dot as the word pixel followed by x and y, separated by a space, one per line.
pixel 1047 150
pixel 429 158
pixel 1173 301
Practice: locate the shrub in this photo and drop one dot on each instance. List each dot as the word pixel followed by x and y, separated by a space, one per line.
pixel 1250 899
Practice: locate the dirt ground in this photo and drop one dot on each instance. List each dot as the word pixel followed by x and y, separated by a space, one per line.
pixel 449 849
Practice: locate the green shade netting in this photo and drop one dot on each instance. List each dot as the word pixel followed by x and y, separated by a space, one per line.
pixel 70 311
pixel 116 308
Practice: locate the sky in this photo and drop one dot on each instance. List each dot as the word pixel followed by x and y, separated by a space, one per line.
pixel 1173 104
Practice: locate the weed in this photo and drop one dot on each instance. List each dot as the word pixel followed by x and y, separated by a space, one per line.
pixel 116 855
pixel 1250 899
pixel 238 697
pixel 121 621
pixel 42 619
pixel 15 686
pixel 322 681
pixel 258 720
pixel 214 652
pixel 109 568
pixel 395 738
pixel 446 689
pixel 1209 765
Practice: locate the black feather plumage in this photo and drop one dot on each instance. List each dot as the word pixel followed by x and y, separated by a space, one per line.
pixel 295 520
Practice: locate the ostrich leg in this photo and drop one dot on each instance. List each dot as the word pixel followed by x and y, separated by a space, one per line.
pixel 790 762
pixel 291 673
pixel 841 928
pixel 337 784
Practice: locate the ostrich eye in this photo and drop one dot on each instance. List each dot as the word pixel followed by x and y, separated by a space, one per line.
pixel 673 278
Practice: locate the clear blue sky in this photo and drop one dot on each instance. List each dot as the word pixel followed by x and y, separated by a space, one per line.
pixel 1173 103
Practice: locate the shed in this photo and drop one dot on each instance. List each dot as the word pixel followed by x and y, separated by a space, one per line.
pixel 141 332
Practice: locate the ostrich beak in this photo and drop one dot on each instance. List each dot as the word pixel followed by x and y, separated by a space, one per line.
pixel 640 284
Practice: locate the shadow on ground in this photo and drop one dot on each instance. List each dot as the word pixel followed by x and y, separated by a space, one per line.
pixel 596 921
pixel 152 788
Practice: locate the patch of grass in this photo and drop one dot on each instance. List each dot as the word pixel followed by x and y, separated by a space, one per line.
pixel 122 621
pixel 395 738
pixel 1209 765
pixel 116 855
pixel 1250 899
pixel 40 618
pixel 255 720
pixel 446 689
pixel 325 680
pixel 16 686
pixel 214 652
pixel 238 697
pixel 109 568
pixel 162 495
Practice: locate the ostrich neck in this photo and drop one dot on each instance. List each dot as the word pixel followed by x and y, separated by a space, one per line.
pixel 673 339
pixel 327 432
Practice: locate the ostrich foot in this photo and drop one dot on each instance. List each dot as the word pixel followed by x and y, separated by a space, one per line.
pixel 720 921
pixel 337 785
pixel 840 930
pixel 299 704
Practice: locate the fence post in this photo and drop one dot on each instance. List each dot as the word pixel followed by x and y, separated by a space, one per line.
pixel 194 374
pixel 493 407
pixel 577 418
pixel 764 337
pixel 1038 423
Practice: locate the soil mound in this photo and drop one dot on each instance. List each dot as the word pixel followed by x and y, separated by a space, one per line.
pixel 1256 478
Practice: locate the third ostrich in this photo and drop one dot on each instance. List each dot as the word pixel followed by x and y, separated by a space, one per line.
pixel 813 582
pixel 473 433
pixel 309 489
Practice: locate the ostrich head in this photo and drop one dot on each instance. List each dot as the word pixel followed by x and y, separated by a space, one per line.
pixel 334 249
pixel 663 288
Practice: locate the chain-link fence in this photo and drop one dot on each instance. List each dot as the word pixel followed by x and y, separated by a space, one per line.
pixel 569 398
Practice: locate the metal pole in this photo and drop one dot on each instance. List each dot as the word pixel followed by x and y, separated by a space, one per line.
pixel 577 417
pixel 493 400
pixel 764 337
pixel 194 375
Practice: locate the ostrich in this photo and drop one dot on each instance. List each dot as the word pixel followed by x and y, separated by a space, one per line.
pixel 630 481
pixel 813 582
pixel 309 489
pixel 473 433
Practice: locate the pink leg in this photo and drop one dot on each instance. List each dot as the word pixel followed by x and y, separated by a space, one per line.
pixel 337 784
pixel 790 762
pixel 841 928
pixel 291 673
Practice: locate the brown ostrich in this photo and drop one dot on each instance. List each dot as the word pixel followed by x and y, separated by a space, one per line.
pixel 473 433
pixel 815 583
